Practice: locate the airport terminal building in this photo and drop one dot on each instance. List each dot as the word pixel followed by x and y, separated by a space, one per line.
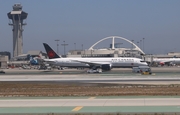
pixel 21 59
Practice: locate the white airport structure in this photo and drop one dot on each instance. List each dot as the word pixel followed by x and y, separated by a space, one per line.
pixel 16 17
pixel 112 51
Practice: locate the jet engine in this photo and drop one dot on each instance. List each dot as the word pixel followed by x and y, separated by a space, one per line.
pixel 161 63
pixel 106 67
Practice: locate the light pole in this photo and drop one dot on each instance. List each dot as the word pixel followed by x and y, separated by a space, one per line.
pixel 143 44
pixel 83 49
pixel 57 46
pixel 132 48
pixel 82 46
pixel 74 46
pixel 64 47
pixel 132 43
pixel 140 44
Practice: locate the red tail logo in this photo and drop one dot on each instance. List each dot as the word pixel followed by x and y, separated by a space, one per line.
pixel 51 54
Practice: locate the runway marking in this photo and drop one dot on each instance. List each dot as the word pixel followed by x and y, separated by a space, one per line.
pixel 77 108
pixel 92 98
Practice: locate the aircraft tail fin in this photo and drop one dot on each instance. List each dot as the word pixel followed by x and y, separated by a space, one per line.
pixel 50 52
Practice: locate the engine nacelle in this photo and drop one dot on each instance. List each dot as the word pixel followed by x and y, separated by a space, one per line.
pixel 106 67
pixel 161 63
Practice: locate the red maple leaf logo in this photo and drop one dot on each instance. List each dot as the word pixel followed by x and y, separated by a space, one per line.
pixel 51 54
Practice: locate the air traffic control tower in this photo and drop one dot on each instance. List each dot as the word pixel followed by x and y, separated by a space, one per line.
pixel 16 17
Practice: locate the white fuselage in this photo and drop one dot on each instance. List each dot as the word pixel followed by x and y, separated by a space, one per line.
pixel 120 62
pixel 167 60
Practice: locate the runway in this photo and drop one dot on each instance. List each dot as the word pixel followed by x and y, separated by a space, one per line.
pixel 90 105
pixel 155 70
pixel 95 78
pixel 90 102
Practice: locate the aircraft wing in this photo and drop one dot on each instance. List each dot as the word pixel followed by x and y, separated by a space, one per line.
pixel 91 63
pixel 48 61
pixel 163 61
pixel 169 62
pixel 166 62
pixel 41 60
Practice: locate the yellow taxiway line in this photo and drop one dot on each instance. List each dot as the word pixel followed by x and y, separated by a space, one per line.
pixel 77 108
pixel 92 98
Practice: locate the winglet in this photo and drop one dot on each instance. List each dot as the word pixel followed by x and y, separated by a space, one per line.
pixel 50 52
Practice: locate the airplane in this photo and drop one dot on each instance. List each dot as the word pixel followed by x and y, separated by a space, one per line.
pixel 106 64
pixel 33 61
pixel 167 61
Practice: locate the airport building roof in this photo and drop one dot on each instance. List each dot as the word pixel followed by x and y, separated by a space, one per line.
pixel 34 52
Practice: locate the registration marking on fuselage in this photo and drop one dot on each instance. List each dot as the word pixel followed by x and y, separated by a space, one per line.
pixel 92 98
pixel 77 108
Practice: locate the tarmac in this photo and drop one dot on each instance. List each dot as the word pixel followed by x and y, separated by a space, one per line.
pixel 109 104
pixel 91 105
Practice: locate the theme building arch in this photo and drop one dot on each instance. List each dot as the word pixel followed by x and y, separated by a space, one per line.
pixel 113 37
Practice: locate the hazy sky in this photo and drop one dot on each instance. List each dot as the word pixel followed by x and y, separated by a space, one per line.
pixel 87 21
